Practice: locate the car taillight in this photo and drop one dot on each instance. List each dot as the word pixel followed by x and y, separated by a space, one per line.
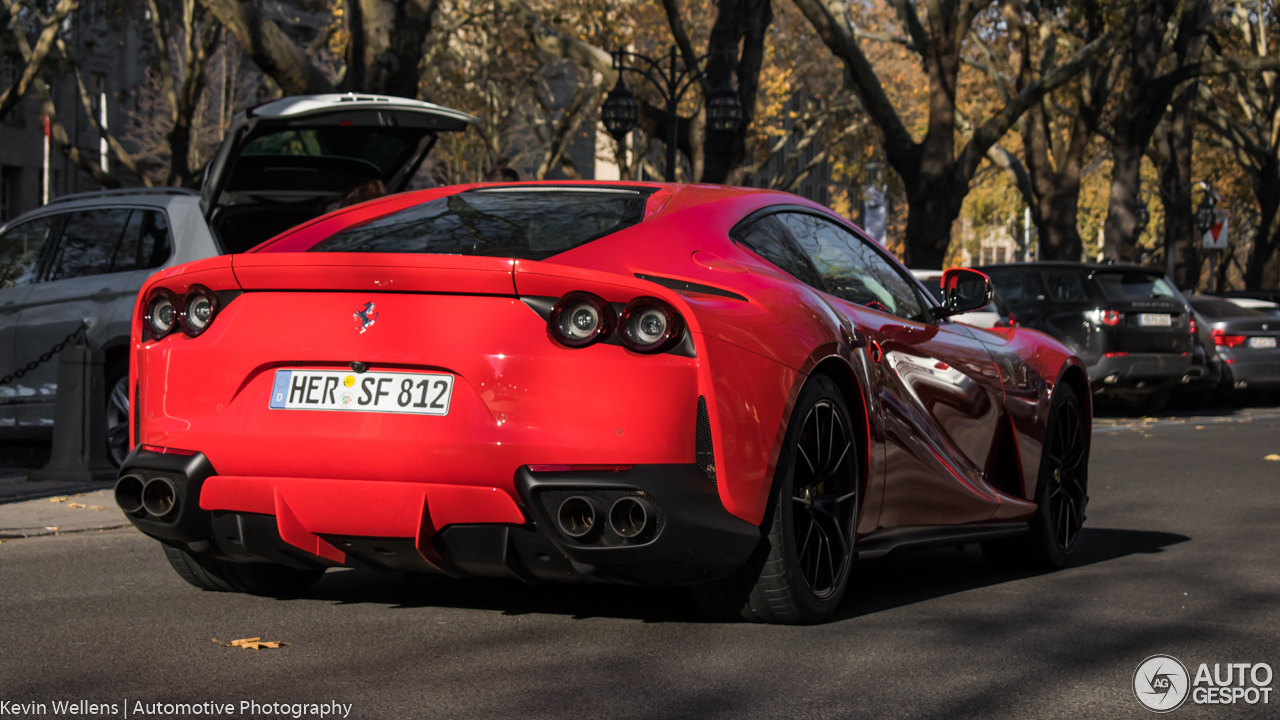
pixel 580 319
pixel 1225 340
pixel 162 313
pixel 199 307
pixel 1111 318
pixel 1191 322
pixel 649 325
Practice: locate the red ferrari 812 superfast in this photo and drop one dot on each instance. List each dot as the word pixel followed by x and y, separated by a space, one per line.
pixel 725 388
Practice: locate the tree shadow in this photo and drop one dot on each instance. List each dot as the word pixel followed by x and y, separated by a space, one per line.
pixel 884 583
pixel 897 580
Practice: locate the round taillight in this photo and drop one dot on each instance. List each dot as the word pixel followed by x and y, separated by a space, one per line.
pixel 1110 318
pixel 198 309
pixel 580 319
pixel 650 325
pixel 162 313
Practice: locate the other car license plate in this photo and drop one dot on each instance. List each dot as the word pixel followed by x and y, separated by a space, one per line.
pixel 1262 342
pixel 345 391
pixel 1155 320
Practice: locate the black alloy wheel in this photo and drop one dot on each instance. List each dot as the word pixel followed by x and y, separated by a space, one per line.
pixel 824 496
pixel 801 569
pixel 1062 492
pixel 117 413
pixel 1068 455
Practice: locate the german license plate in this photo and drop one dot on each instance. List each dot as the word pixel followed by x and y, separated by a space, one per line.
pixel 1262 343
pixel 1155 320
pixel 344 391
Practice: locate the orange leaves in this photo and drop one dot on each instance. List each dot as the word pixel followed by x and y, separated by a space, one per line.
pixel 254 643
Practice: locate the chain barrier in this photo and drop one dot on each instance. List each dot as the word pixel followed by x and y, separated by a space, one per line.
pixel 44 357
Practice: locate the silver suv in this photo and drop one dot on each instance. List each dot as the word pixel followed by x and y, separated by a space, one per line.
pixel 81 259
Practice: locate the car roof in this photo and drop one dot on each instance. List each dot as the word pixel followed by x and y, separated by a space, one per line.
pixel 155 197
pixel 1074 265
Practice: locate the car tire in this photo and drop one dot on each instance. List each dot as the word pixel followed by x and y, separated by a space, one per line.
pixel 1062 493
pixel 117 413
pixel 267 579
pixel 814 505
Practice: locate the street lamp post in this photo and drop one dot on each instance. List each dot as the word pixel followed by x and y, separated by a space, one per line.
pixel 1206 216
pixel 671 79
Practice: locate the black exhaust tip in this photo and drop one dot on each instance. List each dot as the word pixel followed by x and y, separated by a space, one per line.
pixel 129 494
pixel 631 517
pixel 159 497
pixel 579 516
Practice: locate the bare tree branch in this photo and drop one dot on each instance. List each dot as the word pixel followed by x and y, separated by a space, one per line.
pixel 36 57
pixel 268 47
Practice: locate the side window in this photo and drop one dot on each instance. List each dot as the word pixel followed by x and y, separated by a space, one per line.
pixel 89 243
pixel 851 269
pixel 1009 284
pixel 769 238
pixel 1064 285
pixel 145 244
pixel 20 251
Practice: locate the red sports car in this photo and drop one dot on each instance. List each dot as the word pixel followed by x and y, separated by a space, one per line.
pixel 726 388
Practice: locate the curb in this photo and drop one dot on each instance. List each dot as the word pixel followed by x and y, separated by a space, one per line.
pixel 19 533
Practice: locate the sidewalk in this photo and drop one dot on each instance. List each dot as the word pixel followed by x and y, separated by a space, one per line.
pixel 30 509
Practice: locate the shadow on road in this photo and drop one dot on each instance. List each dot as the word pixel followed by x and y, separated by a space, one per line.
pixel 877 585
pixel 898 580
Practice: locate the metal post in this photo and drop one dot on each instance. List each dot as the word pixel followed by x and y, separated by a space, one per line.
pixel 79 418
pixel 1213 271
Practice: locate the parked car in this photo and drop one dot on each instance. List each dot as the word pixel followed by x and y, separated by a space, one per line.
pixel 82 258
pixel 1246 341
pixel 993 314
pixel 1127 323
pixel 625 382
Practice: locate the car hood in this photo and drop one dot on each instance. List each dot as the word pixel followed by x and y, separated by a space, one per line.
pixel 293 159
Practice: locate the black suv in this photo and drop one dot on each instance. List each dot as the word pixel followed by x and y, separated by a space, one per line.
pixel 1129 325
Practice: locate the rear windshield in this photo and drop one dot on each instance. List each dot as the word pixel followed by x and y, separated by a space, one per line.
pixel 384 150
pixel 525 223
pixel 1133 285
pixel 1225 309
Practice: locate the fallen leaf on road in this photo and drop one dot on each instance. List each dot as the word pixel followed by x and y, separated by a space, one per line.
pixel 96 507
pixel 1272 456
pixel 75 505
pixel 252 643
pixel 60 498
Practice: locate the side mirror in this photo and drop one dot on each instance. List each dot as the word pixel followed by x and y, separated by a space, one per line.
pixel 964 290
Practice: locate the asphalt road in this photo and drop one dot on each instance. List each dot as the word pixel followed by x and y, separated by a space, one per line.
pixel 1180 557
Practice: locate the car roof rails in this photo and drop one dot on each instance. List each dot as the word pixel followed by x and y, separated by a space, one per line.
pixel 123 191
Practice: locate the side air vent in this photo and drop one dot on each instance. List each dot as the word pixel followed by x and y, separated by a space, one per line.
pixel 706 456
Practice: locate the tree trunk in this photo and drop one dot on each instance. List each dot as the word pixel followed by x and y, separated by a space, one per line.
pixel 1175 190
pixel 745 23
pixel 1059 235
pixel 933 205
pixel 1263 269
pixel 1120 231
pixel 271 50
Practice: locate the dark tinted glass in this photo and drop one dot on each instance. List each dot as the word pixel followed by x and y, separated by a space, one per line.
pixel 850 268
pixel 384 149
pixel 1225 309
pixel 1133 285
pixel 145 243
pixel 1064 285
pixel 1009 283
pixel 771 240
pixel 20 251
pixel 526 223
pixel 89 243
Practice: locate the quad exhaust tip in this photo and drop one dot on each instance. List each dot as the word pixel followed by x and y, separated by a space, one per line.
pixel 579 516
pixel 129 494
pixel 630 517
pixel 159 497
